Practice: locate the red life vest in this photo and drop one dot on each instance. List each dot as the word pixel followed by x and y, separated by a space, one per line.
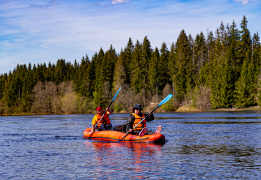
pixel 137 120
pixel 105 120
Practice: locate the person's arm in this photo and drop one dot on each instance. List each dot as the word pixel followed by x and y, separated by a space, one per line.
pixel 130 122
pixel 94 121
pixel 92 128
pixel 108 111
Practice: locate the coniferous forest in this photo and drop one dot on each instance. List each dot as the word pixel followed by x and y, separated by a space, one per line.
pixel 218 70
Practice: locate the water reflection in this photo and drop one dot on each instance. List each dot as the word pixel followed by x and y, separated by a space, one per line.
pixel 135 158
pixel 235 151
pixel 199 146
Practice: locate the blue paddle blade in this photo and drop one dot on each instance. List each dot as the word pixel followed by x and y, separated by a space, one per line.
pixel 166 99
pixel 116 94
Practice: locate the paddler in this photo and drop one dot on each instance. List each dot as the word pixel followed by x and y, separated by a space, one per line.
pixel 104 123
pixel 135 117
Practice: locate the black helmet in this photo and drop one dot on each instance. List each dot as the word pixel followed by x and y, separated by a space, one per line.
pixel 137 106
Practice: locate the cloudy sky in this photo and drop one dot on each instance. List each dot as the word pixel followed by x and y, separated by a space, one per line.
pixel 39 31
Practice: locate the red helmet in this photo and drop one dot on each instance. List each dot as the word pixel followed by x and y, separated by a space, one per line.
pixel 99 108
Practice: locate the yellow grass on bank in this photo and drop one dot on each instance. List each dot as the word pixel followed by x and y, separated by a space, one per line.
pixel 188 109
pixel 194 109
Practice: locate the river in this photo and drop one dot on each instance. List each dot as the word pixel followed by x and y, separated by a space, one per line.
pixel 208 145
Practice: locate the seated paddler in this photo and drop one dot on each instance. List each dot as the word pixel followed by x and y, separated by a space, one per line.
pixel 104 123
pixel 135 117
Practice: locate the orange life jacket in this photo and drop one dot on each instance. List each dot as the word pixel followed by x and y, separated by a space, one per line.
pixel 137 120
pixel 105 120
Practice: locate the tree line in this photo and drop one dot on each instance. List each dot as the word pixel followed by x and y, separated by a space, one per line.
pixel 217 70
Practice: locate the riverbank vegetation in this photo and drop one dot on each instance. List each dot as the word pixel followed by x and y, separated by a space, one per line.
pixel 216 70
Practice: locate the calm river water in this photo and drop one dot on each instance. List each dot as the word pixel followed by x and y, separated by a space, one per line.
pixel 212 145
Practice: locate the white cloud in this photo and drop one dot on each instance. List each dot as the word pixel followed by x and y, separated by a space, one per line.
pixel 118 1
pixel 244 1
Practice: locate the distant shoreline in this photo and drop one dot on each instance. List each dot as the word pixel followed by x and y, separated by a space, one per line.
pixel 193 109
pixel 181 109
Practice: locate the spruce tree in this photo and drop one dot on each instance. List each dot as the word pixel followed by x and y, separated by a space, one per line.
pixel 119 78
pixel 154 72
pixel 172 67
pixel 127 59
pixel 99 79
pixel 163 76
pixel 246 84
pixel 136 66
pixel 144 68
pixel 183 52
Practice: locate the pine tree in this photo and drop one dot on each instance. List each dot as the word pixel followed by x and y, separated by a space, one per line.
pixel 99 79
pixel 127 59
pixel 246 85
pixel 144 68
pixel 136 73
pixel 60 71
pixel 154 72
pixel 204 78
pixel 234 40
pixel 172 67
pixel 163 76
pixel 221 88
pixel 232 54
pixel 255 54
pixel 108 64
pixel 119 78
pixel 85 88
pixel 183 52
pixel 244 97
pixel 200 53
pixel 245 46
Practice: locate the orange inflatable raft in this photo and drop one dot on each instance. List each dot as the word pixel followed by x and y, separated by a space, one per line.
pixel 115 136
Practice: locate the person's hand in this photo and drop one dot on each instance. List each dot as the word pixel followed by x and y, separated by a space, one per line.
pixel 107 109
pixel 130 130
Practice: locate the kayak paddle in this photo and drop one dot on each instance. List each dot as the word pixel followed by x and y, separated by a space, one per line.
pixel 105 111
pixel 162 102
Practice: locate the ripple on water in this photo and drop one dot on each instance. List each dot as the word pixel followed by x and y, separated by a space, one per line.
pixel 198 146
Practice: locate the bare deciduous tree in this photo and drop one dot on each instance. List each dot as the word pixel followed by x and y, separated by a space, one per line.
pixel 1 108
pixel 69 103
pixel 47 97
pixel 106 90
pixel 166 90
pixel 125 98
pixel 57 105
pixel 203 98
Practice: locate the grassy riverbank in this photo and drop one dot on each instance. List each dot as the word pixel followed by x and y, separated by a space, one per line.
pixel 193 109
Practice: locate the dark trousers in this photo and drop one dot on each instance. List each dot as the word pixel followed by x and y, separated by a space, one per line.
pixel 104 127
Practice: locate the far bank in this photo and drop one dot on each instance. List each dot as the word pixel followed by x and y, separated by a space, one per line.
pixel 194 109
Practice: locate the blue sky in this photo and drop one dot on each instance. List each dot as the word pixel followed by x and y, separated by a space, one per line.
pixel 39 31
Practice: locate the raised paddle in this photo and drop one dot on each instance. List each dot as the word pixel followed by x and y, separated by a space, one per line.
pixel 105 111
pixel 162 102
